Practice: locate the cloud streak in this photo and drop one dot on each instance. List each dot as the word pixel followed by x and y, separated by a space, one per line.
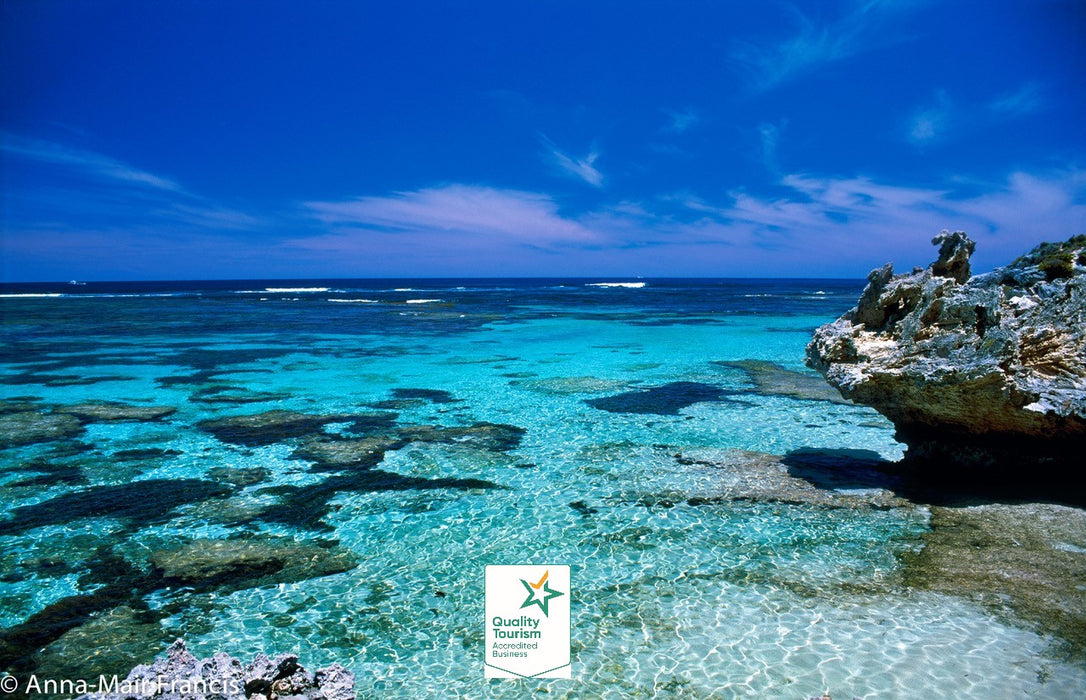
pixel 459 212
pixel 1028 99
pixel 91 163
pixel 681 121
pixel 814 44
pixel 109 187
pixel 580 168
pixel 864 221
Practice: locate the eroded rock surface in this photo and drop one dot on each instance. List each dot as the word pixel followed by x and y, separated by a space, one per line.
pixel 179 674
pixel 984 371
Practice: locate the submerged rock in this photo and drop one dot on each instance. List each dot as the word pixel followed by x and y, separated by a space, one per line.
pixel 332 454
pixel 140 454
pixel 267 428
pixel 1030 558
pixel 139 503
pixel 664 400
pixel 246 563
pixel 498 437
pixel 567 386
pixel 238 476
pixel 432 395
pixel 110 641
pixel 983 372
pixel 31 427
pixel 234 395
pixel 114 412
pixel 179 674
pixel 822 479
pixel 771 379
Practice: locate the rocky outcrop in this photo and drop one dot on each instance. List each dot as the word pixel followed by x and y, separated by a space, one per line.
pixel 985 371
pixel 179 674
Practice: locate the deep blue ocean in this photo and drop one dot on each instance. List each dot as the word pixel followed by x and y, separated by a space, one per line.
pixel 408 433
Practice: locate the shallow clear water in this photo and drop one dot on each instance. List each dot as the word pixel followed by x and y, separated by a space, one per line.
pixel 674 593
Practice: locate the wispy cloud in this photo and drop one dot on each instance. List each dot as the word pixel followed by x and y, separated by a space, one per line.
pixel 941 118
pixel 864 222
pixel 94 164
pixel 815 43
pixel 457 213
pixel 770 135
pixel 581 168
pixel 1027 99
pixel 680 120
pixel 930 123
pixel 80 189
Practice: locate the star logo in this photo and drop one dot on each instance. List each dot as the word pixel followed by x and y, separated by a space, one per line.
pixel 540 593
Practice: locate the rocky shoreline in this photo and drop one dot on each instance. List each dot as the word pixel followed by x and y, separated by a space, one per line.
pixel 984 378
pixel 980 374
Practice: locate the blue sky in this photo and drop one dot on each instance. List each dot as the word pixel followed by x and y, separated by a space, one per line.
pixel 229 139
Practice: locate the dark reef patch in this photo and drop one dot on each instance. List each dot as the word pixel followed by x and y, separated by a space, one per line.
pixel 583 508
pixel 306 506
pixel 368 423
pixel 115 412
pixel 208 360
pixel 138 503
pixel 234 564
pixel 238 476
pixel 199 377
pixel 123 585
pixel 120 638
pixel 227 394
pixel 336 454
pixel 665 400
pixel 50 474
pixel 32 427
pixel 24 378
pixel 432 395
pixel 771 379
pixel 144 453
pixel 19 643
pixel 498 437
pixel 268 428
pixel 19 404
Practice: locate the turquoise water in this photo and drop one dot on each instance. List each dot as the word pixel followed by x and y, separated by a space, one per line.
pixel 624 419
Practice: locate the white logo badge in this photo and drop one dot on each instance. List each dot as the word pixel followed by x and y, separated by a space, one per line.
pixel 527 621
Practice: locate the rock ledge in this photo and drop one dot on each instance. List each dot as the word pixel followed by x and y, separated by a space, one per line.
pixel 986 372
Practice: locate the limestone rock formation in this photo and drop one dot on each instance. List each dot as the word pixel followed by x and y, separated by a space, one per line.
pixel 180 675
pixel 983 371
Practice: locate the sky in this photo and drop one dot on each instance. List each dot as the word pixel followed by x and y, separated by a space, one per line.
pixel 232 139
